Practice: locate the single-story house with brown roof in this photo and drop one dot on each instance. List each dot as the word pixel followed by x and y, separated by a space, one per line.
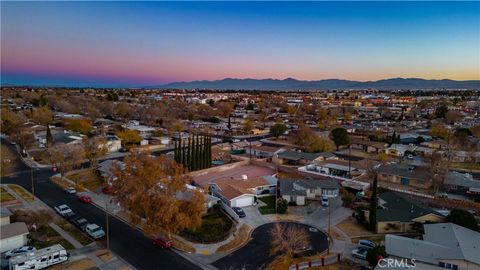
pixel 243 192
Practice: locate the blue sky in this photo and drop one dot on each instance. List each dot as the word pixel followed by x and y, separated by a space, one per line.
pixel 142 43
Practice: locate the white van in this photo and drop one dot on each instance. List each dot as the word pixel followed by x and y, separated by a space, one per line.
pixel 39 259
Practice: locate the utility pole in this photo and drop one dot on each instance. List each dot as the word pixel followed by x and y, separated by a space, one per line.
pixel 329 236
pixel 107 232
pixel 31 178
pixel 349 161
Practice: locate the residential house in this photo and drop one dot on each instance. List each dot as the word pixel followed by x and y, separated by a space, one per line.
pixel 12 235
pixel 461 183
pixel 301 190
pixel 144 131
pixel 401 214
pixel 262 151
pixel 291 157
pixel 105 168
pixel 399 150
pixel 367 146
pixel 113 143
pixel 446 245
pixel 243 192
pixel 405 174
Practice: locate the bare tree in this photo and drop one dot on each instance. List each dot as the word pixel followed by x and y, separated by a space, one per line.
pixel 288 239
pixel 95 148
pixel 67 157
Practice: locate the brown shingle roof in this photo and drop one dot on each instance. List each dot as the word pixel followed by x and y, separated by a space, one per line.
pixel 13 229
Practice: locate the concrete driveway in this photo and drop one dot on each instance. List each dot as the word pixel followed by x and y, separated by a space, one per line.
pixel 253 218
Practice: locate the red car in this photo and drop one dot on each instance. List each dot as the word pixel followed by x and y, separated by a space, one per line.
pixel 86 199
pixel 163 243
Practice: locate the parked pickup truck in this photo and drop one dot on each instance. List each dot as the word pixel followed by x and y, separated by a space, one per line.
pixel 63 210
pixel 94 231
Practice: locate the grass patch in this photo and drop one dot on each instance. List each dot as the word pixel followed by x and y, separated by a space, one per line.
pixel 5 196
pixel 270 207
pixel 352 228
pixel 182 245
pixel 215 227
pixel 86 178
pixel 22 192
pixel 75 233
pixel 45 236
pixel 465 166
pixel 241 237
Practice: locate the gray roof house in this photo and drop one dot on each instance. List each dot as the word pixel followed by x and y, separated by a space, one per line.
pixel 461 183
pixel 400 214
pixel 446 245
pixel 296 158
pixel 299 190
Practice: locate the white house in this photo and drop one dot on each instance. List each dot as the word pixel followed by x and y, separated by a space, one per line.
pixel 12 235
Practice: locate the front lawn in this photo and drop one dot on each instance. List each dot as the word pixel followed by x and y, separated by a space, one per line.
pixel 5 196
pixel 86 178
pixel 270 207
pixel 41 156
pixel 22 192
pixel 75 233
pixel 45 236
pixel 216 227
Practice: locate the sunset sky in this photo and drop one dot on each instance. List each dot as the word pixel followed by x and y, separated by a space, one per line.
pixel 148 43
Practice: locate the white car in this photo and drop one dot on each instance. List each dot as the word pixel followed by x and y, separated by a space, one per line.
pixel 19 251
pixel 360 253
pixel 94 231
pixel 70 190
pixel 324 201
pixel 63 210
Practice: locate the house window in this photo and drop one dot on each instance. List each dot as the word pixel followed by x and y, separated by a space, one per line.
pixel 405 181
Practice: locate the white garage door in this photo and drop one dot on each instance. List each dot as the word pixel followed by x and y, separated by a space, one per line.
pixel 11 243
pixel 242 201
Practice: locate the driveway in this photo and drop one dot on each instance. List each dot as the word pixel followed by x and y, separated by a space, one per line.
pixel 253 218
pixel 256 253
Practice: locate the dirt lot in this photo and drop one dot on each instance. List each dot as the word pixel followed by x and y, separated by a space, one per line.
pixel 352 228
pixel 86 178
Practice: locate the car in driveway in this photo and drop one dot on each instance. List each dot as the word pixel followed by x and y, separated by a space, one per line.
pixel 325 201
pixel 80 222
pixel 94 231
pixel 108 190
pixel 239 211
pixel 85 199
pixel 162 242
pixel 70 190
pixel 19 251
pixel 360 253
pixel 63 210
pixel 366 244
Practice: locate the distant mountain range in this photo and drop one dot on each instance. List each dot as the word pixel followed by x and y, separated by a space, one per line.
pixel 293 84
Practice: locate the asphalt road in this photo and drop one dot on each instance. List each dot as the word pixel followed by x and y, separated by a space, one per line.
pixel 127 242
pixel 255 254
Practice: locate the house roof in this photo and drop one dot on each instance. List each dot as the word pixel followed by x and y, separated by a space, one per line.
pixel 407 171
pixel 400 208
pixel 300 186
pixel 295 155
pixel 462 180
pixel 265 148
pixel 233 188
pixel 440 241
pixel 5 212
pixel 13 229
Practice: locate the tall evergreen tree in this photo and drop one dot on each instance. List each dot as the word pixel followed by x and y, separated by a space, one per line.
pixel 189 159
pixel 49 136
